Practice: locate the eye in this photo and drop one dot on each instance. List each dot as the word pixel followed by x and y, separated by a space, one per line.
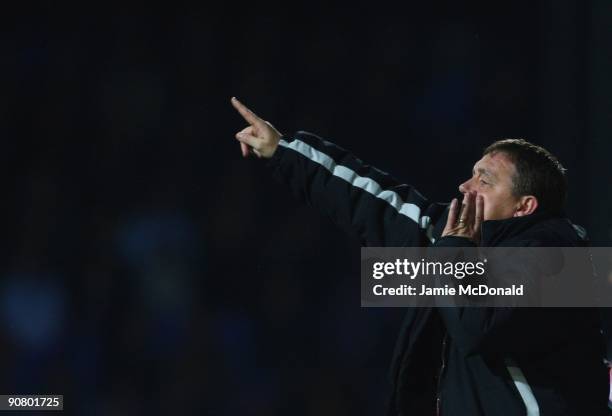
pixel 484 182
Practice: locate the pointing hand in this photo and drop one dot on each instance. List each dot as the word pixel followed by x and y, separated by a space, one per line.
pixel 260 137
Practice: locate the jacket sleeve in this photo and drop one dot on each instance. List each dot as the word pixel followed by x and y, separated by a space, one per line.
pixel 359 198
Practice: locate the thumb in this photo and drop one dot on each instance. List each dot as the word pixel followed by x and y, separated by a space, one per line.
pixel 244 149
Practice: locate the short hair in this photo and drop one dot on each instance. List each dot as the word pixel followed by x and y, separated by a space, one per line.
pixel 538 173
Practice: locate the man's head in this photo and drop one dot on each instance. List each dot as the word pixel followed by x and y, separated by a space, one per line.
pixel 516 178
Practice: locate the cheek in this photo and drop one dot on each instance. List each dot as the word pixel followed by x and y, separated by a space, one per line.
pixel 489 210
pixel 491 207
pixel 489 201
pixel 496 206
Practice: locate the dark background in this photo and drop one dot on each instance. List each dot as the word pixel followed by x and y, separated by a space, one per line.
pixel 148 269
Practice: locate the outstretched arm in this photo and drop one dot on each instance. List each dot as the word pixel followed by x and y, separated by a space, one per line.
pixel 359 198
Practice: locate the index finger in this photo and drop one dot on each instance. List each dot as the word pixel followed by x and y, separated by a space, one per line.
pixel 469 208
pixel 452 213
pixel 479 211
pixel 247 114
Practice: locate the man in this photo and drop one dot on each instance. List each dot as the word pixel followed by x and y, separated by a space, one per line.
pixel 460 361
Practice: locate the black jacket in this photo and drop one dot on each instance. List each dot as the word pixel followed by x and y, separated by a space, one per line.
pixel 458 361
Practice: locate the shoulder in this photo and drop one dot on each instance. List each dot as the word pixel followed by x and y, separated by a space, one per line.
pixel 553 232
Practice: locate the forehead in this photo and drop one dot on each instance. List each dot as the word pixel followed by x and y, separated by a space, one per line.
pixel 497 163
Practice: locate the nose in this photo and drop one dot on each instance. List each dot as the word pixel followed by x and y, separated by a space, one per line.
pixel 466 186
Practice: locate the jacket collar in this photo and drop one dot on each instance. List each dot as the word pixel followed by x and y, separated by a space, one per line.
pixel 495 231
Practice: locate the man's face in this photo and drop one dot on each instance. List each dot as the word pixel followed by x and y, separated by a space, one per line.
pixel 492 178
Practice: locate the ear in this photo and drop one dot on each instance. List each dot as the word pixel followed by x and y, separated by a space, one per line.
pixel 526 205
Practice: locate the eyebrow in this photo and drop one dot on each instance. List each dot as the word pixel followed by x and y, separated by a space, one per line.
pixel 484 172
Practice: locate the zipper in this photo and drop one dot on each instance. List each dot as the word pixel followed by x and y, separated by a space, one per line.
pixel 442 367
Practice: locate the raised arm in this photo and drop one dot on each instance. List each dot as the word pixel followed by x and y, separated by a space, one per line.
pixel 359 198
